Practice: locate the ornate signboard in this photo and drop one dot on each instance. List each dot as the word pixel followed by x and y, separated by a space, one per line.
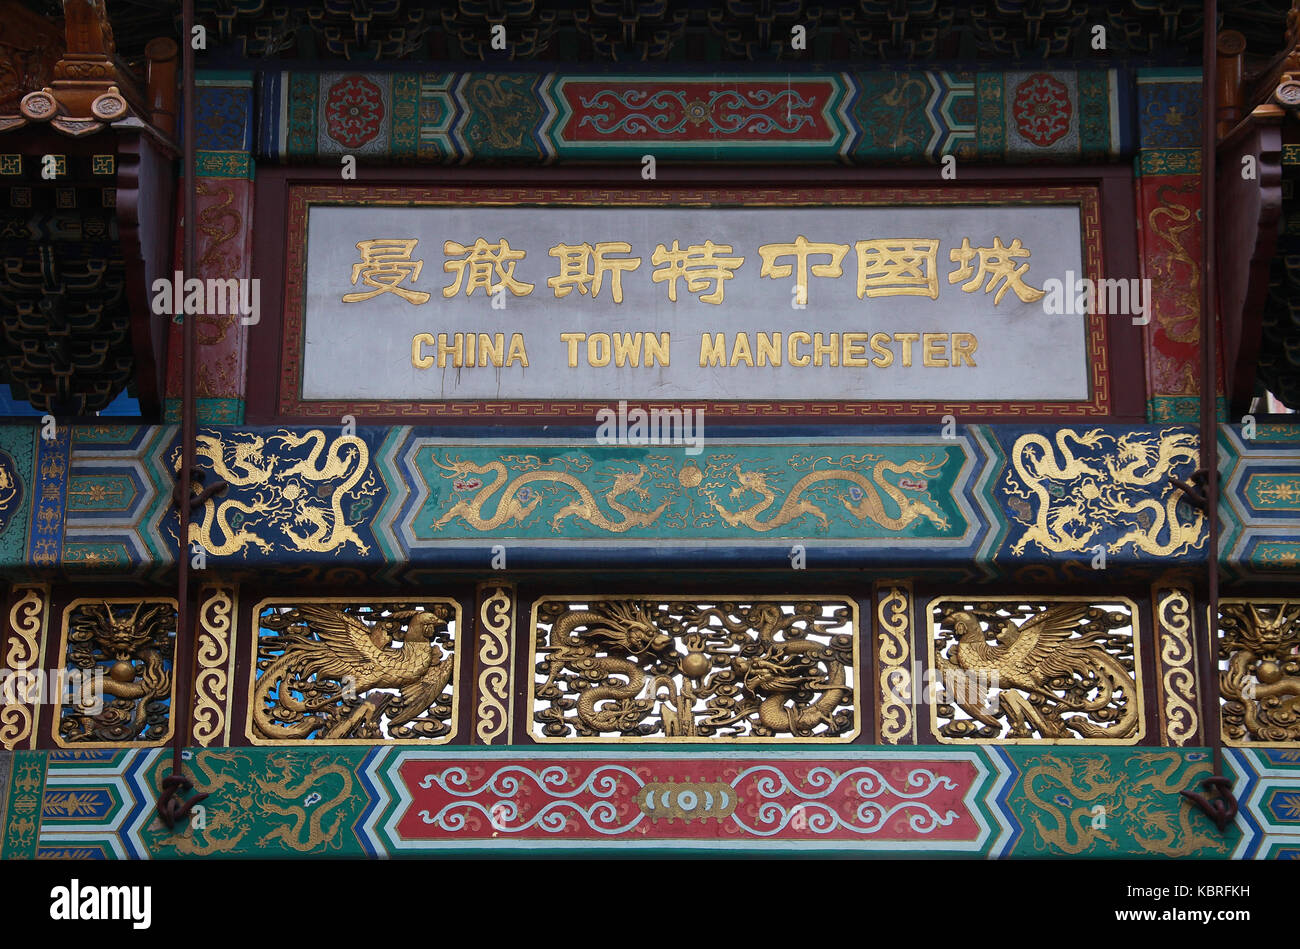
pixel 826 302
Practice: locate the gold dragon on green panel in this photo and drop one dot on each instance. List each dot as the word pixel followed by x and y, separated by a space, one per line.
pixel 870 508
pixel 516 503
pixel 1078 806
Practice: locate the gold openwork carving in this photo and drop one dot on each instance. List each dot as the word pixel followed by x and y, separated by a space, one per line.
pixel 346 669
pixel 1259 671
pixel 644 669
pixel 1177 664
pixel 894 609
pixel 1035 670
pixel 497 607
pixel 23 653
pixel 122 649
pixel 215 660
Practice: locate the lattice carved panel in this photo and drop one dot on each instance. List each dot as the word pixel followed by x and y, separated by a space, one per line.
pixel 1042 670
pixel 1259 671
pixel 120 651
pixel 350 670
pixel 646 669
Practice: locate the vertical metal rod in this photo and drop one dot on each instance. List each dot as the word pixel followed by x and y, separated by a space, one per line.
pixel 1209 384
pixel 181 664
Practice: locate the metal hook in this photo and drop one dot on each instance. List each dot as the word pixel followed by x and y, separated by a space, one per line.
pixel 173 809
pixel 1221 807
pixel 1195 491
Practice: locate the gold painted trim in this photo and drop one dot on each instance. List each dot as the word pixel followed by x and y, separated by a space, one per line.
pixel 895 648
pixel 1179 720
pixel 495 679
pixel 215 653
pixel 690 598
pixel 24 642
pixel 63 662
pixel 1218 688
pixel 256 624
pixel 1138 697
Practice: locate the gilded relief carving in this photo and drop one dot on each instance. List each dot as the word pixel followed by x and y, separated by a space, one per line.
pixel 521 494
pixel 215 654
pixel 127 647
pixel 497 608
pixel 23 651
pixel 861 496
pixel 342 671
pixel 1071 492
pixel 1177 664
pixel 642 669
pixel 295 501
pixel 1017 670
pixel 894 660
pixel 1259 678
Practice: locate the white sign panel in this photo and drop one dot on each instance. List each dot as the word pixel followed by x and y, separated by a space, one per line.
pixel 897 303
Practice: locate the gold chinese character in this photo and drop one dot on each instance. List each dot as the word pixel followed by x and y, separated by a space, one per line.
pixel 484 261
pixel 385 263
pixel 996 263
pixel 898 267
pixel 698 264
pixel 800 250
pixel 576 261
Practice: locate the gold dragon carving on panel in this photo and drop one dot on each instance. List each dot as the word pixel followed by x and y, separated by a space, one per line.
pixel 134 650
pixel 279 502
pixel 1259 679
pixel 1064 796
pixel 1101 482
pixel 1018 672
pixel 640 669
pixel 287 802
pixel 519 498
pixel 871 507
pixel 351 672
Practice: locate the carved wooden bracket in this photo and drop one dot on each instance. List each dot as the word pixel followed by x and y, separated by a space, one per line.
pixel 87 87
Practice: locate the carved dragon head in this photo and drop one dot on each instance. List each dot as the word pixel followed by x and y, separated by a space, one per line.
pixel 631 625
pixel 122 638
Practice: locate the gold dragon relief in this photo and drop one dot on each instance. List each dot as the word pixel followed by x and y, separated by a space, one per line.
pixel 642 669
pixel 280 501
pixel 1015 670
pixel 842 484
pixel 662 492
pixel 1069 492
pixel 120 652
pixel 348 670
pixel 1259 671
pixel 1083 805
pixel 286 802
pixel 516 485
